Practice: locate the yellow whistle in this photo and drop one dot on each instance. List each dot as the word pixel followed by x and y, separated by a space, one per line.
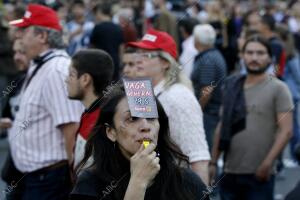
pixel 146 143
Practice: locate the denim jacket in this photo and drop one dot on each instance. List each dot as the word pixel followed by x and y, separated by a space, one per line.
pixel 291 76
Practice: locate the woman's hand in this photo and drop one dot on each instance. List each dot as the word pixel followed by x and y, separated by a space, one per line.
pixel 144 165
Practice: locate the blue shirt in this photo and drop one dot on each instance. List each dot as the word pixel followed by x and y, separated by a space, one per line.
pixel 291 76
pixel 81 40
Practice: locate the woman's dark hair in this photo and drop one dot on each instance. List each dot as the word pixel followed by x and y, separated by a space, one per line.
pixel 260 39
pixel 110 165
pixel 98 64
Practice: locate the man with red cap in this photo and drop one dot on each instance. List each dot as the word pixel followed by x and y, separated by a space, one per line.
pixel 156 58
pixel 42 137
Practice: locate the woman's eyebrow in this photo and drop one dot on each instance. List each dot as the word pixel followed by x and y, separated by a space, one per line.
pixel 126 111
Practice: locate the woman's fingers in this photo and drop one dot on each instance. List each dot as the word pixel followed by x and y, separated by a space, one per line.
pixel 152 155
pixel 140 150
pixel 156 161
pixel 145 151
pixel 145 164
pixel 149 149
pixel 156 164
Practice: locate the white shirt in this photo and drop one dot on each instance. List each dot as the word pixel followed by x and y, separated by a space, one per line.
pixel 294 25
pixel 188 55
pixel 79 153
pixel 35 139
pixel 185 120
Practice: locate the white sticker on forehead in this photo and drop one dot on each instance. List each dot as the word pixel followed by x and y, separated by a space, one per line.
pixel 149 37
pixel 27 14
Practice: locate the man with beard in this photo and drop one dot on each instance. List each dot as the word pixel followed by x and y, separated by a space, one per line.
pixel 255 126
pixel 91 70
pixel 13 92
pixel 9 171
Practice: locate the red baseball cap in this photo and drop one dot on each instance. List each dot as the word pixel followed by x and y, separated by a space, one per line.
pixel 155 39
pixel 38 15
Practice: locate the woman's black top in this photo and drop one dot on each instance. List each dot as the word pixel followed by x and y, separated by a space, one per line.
pixel 89 188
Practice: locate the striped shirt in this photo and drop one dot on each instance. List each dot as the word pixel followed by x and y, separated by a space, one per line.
pixel 209 70
pixel 35 139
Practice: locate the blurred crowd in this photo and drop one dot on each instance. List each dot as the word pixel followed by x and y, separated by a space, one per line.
pixel 226 73
pixel 232 21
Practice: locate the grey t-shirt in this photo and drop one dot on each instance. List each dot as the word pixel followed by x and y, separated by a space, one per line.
pixel 250 147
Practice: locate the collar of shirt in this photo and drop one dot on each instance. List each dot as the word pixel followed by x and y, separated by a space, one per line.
pixel 44 53
pixel 35 62
pixel 189 42
pixel 93 106
pixel 204 52
pixel 42 56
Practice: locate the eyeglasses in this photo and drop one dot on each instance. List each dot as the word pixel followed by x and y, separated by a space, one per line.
pixel 148 55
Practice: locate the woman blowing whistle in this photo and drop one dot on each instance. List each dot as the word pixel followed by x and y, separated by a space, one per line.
pixel 124 169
